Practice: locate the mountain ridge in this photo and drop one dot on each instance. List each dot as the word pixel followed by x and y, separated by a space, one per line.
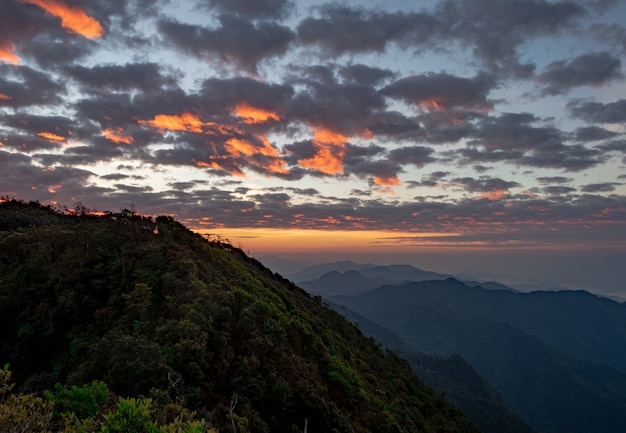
pixel 153 309
pixel 533 348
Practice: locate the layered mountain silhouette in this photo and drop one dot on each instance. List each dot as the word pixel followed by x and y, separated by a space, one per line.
pixel 347 277
pixel 558 359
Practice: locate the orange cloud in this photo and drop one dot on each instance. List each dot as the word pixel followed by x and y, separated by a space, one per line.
pixel 331 150
pixel 7 54
pixel 189 123
pixel 254 115
pixel 238 147
pixel 432 104
pixel 184 122
pixel 216 165
pixel 118 136
pixel 387 181
pixel 50 136
pixel 497 194
pixel 5 97
pixel 73 18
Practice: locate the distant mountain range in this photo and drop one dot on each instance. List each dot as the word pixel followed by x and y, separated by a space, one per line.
pixel 557 358
pixel 346 277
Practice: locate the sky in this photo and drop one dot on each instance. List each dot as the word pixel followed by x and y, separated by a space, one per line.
pixel 476 134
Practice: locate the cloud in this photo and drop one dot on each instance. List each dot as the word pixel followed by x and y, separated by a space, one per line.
pixel 442 91
pixel 598 112
pixel 593 133
pixel 23 86
pixel 73 18
pixel 491 188
pixel 554 179
pixel 496 29
pixel 600 187
pixel 253 8
pixel 558 190
pixel 365 75
pixel 516 138
pixel 341 29
pixel 342 107
pixel 271 113
pixel 141 76
pixel 236 42
pixel 593 69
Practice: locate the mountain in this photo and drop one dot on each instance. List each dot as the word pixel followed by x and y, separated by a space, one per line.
pixel 154 310
pixel 345 278
pixel 349 278
pixel 316 271
pixel 556 358
pixel 452 375
pixel 342 283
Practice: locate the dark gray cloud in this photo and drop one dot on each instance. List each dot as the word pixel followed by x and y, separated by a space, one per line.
pixel 23 86
pixel 517 138
pixel 600 187
pixel 615 145
pixel 417 156
pixel 340 29
pixel 485 184
pixel 495 30
pixel 591 69
pixel 365 75
pixel 554 179
pixel 142 76
pixel 345 108
pixel 598 112
pixel 614 32
pixel 593 133
pixel 558 190
pixel 219 95
pixel 396 125
pixel 253 8
pixel 63 51
pixel 236 40
pixel 442 91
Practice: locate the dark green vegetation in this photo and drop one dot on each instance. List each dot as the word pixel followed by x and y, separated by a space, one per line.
pixel 153 310
pixel 89 408
pixel 558 359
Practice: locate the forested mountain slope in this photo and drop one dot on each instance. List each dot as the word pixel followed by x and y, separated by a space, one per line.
pixel 153 309
pixel 452 375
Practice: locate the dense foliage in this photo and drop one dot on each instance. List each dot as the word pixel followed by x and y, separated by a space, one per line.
pixel 154 311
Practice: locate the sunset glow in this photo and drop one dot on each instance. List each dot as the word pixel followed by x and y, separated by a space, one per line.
pixel 387 180
pixel 250 114
pixel 50 136
pixel 267 241
pixel 118 136
pixel 184 122
pixel 483 126
pixel 72 18
pixel 330 151
pixel 8 55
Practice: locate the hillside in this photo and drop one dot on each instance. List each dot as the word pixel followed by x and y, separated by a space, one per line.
pixel 556 358
pixel 152 309
pixel 452 375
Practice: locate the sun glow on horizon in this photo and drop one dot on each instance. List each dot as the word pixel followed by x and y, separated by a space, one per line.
pixel 268 240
